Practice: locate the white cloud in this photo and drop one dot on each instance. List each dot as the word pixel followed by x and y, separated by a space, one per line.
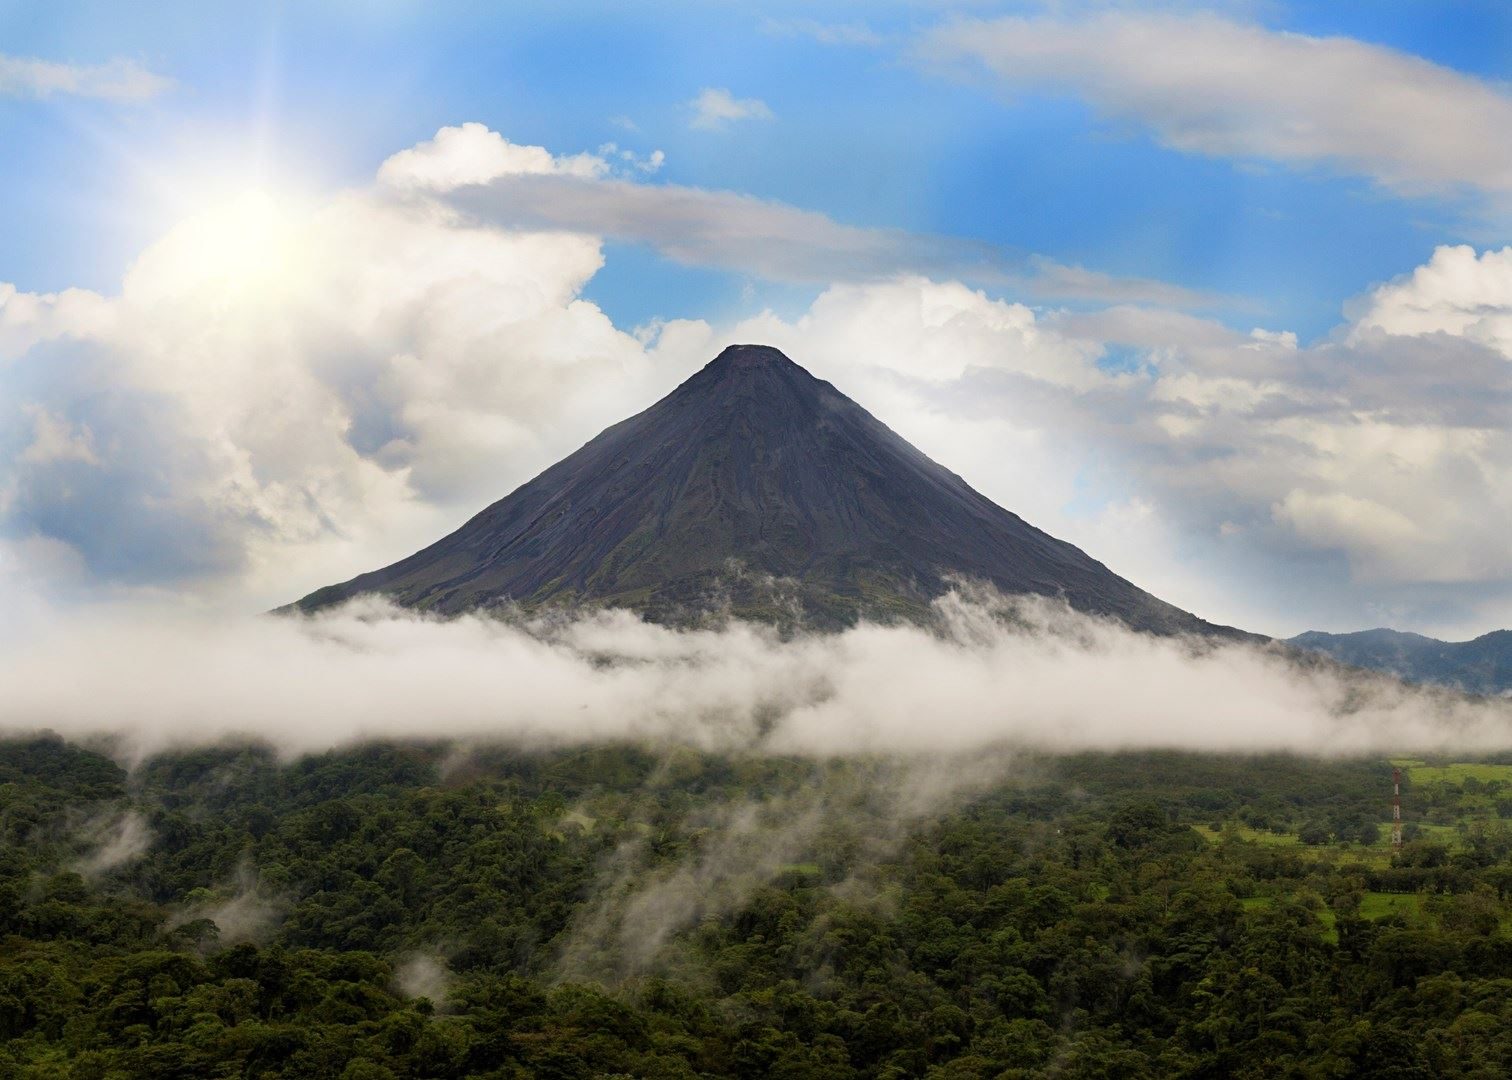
pixel 27 319
pixel 1049 278
pixel 1148 327
pixel 936 333
pixel 716 228
pixel 1210 85
pixel 776 241
pixel 1046 679
pixel 1376 533
pixel 472 154
pixel 116 80
pixel 1456 292
pixel 715 109
pixel 477 172
pixel 641 163
pixel 55 439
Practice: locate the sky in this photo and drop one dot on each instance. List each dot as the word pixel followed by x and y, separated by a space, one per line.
pixel 1220 293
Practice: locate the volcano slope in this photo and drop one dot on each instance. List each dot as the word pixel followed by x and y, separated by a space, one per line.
pixel 757 490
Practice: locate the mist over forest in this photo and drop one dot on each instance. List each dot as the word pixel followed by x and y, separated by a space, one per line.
pixel 439 909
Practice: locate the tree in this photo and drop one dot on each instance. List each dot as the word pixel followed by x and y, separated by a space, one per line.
pixel 1314 833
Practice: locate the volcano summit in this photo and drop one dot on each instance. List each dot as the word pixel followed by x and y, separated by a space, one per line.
pixel 756 488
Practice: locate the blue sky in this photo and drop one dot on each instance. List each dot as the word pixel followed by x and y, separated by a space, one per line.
pixel 1327 173
pixel 320 93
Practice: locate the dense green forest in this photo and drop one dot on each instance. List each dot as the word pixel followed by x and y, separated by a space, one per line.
pixel 438 911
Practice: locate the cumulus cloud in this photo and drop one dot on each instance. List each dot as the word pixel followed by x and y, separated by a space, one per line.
pixel 55 439
pixel 715 109
pixel 1457 292
pixel 28 319
pixel 119 80
pixel 1210 85
pixel 472 154
pixel 275 378
pixel 941 332
pixel 990 672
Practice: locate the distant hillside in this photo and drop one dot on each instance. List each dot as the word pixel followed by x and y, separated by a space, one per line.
pixel 757 488
pixel 1481 666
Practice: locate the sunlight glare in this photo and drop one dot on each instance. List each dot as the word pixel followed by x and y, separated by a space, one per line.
pixel 246 249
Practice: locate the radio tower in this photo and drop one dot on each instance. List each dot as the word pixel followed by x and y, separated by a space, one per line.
pixel 1396 809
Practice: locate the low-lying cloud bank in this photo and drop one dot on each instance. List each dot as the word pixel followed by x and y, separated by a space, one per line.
pixel 990 672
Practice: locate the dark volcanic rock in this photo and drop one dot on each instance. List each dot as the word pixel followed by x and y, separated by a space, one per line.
pixel 756 486
pixel 1480 666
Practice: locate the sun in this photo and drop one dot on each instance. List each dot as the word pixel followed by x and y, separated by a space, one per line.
pixel 245 248
pixel 246 234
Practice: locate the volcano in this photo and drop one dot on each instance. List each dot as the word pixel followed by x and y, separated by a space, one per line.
pixel 756 489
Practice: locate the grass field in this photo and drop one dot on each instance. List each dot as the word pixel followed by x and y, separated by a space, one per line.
pixel 1442 834
pixel 1327 920
pixel 1378 854
pixel 1377 905
pixel 1253 836
pixel 1457 773
pixel 1373 905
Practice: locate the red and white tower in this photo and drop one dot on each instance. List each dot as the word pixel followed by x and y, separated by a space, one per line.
pixel 1396 809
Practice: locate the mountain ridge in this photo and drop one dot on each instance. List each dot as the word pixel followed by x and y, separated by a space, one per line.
pixel 760 488
pixel 1482 665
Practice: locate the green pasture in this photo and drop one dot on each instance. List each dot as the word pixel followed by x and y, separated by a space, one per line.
pixel 1373 906
pixel 1378 854
pixel 1379 905
pixel 1456 773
